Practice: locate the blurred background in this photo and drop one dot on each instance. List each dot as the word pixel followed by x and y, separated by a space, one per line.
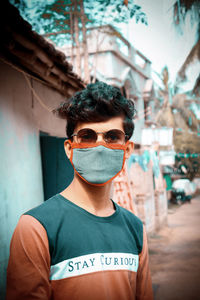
pixel 150 50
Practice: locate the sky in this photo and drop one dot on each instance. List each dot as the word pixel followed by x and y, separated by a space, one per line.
pixel 160 42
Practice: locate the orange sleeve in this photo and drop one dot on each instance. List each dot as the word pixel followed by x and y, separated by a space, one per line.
pixel 144 289
pixel 29 262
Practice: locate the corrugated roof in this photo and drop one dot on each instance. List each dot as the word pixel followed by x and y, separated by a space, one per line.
pixel 33 54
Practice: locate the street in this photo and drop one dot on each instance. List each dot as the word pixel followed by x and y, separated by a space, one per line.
pixel 175 254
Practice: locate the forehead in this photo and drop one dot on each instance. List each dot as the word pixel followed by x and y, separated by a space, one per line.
pixel 113 123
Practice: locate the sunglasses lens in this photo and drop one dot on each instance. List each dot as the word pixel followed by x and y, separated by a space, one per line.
pixel 89 136
pixel 86 136
pixel 115 136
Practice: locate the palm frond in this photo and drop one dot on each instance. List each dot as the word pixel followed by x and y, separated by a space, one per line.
pixel 196 88
pixel 194 54
pixel 165 117
pixel 181 9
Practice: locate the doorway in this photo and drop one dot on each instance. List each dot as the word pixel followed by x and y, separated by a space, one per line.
pixel 57 170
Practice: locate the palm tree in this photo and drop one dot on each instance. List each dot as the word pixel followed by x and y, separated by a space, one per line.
pixel 181 9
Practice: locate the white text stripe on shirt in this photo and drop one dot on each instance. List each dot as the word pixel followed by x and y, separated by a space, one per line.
pixel 94 263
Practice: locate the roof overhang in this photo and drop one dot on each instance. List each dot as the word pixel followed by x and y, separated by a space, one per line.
pixel 33 55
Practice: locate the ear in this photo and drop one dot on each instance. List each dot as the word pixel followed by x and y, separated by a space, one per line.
pixel 68 148
pixel 129 149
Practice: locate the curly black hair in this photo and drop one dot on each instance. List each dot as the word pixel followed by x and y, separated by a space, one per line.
pixel 96 103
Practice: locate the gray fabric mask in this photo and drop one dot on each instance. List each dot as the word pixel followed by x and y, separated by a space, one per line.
pixel 98 165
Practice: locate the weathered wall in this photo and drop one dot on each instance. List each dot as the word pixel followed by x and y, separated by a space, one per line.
pixel 21 118
pixel 143 192
pixel 45 120
pixel 138 122
pixel 161 203
pixel 150 197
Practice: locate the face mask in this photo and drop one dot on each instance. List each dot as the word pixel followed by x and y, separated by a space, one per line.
pixel 99 163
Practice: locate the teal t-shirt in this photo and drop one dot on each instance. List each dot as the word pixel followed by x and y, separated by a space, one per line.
pixel 80 242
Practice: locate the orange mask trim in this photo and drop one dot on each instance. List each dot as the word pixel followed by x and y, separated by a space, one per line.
pixel 92 145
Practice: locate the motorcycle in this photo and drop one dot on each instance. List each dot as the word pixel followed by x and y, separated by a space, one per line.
pixel 178 196
pixel 182 190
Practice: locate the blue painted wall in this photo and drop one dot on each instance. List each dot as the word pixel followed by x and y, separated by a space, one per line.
pixel 20 160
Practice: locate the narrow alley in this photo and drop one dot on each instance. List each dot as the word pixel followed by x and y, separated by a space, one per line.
pixel 175 254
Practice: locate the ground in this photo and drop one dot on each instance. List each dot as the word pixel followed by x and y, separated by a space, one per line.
pixel 175 254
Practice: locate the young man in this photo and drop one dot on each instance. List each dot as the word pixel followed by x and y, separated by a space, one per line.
pixel 80 245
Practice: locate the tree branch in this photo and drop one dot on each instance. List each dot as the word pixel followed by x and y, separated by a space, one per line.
pixel 55 33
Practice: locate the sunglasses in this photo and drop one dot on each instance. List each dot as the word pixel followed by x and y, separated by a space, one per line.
pixel 89 136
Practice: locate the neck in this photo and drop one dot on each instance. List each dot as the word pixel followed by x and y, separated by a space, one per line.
pixel 95 199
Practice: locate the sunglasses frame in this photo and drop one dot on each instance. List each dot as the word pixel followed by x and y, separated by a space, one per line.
pixel 103 133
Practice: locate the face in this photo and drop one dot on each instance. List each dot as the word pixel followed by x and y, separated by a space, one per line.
pixel 113 123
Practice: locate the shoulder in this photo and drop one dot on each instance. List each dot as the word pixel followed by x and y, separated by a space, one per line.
pixel 134 225
pixel 28 223
pixel 50 204
pixel 129 216
pixel 29 233
pixel 47 211
pixel 51 213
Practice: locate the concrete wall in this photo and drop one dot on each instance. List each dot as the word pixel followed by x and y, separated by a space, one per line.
pixel 149 197
pixel 21 118
pixel 161 202
pixel 45 120
pixel 143 192
pixel 138 122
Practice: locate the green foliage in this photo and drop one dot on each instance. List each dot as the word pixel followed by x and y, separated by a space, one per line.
pixel 53 16
pixel 113 12
pixel 182 8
